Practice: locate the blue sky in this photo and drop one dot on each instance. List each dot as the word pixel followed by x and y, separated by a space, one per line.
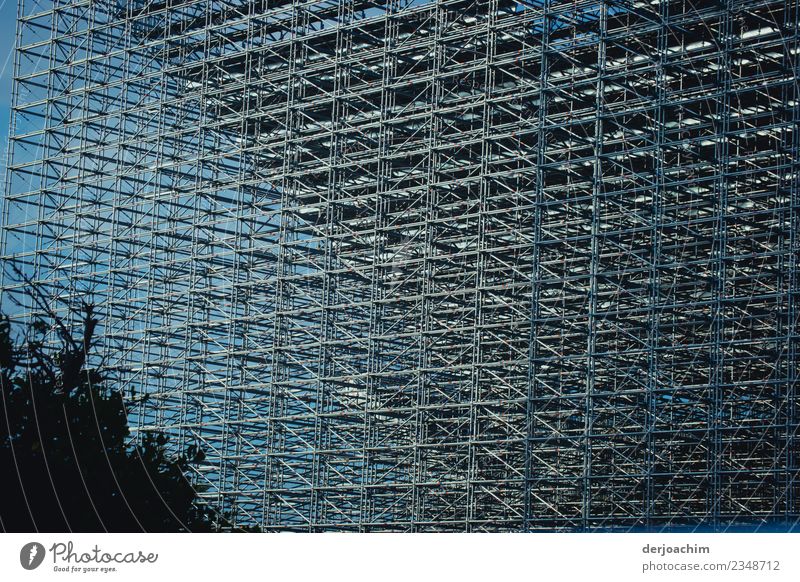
pixel 8 15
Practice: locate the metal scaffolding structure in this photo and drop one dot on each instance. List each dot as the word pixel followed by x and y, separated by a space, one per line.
pixel 417 265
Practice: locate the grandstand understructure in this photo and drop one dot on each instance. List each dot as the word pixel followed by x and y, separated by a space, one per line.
pixel 417 265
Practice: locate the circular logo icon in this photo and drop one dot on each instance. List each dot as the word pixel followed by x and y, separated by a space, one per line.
pixel 31 555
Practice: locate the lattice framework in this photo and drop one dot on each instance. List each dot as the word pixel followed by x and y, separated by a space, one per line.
pixel 430 265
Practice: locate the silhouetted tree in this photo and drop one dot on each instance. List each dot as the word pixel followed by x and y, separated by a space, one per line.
pixel 65 459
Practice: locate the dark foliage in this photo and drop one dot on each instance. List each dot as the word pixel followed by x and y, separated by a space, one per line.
pixel 63 453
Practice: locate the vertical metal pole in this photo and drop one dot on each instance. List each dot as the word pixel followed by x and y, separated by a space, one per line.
pixel 532 428
pixel 597 210
pixel 719 256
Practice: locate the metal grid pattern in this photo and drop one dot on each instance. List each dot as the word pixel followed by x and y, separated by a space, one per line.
pixel 454 265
